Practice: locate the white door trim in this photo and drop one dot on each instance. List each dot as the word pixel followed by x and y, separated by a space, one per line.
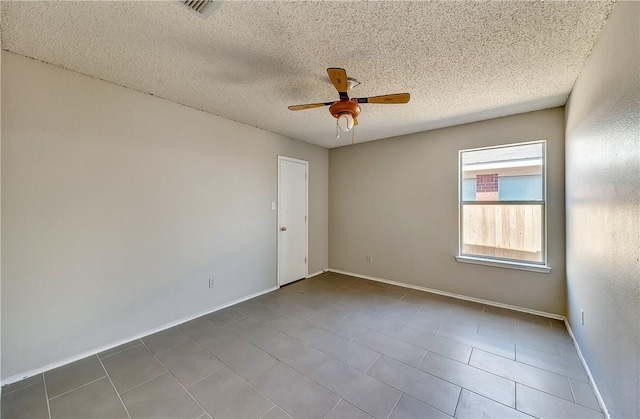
pixel 306 225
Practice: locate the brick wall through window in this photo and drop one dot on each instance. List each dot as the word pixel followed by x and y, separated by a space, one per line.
pixel 487 187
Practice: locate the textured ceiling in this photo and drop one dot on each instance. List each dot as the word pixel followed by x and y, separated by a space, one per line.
pixel 462 61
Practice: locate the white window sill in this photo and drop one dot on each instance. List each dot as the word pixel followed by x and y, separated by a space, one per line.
pixel 505 264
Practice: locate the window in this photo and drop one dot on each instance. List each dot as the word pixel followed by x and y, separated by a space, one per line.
pixel 502 206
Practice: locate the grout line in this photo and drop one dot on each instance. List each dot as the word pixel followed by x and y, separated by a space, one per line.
pixel 426 351
pixel 506 405
pixel 573 394
pixel 209 352
pixel 261 393
pixel 473 349
pixel 168 349
pixel 559 350
pixel 21 388
pixel 391 357
pixel 144 382
pixel 521 363
pixel 315 315
pixel 176 378
pixel 460 396
pixel 518 381
pixel 560 398
pixel 204 378
pixel 189 393
pixel 234 321
pixel 527 345
pixel 369 367
pixel 395 405
pixel 119 352
pixel 76 388
pixel 318 367
pixel 364 329
pixel 265 373
pixel 114 387
pixel 267 412
pixel 334 407
pixel 46 394
pixel 312 380
pixel 173 347
pixel 470 366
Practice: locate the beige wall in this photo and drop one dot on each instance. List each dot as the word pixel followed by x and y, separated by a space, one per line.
pixel 603 211
pixel 397 200
pixel 0 224
pixel 118 206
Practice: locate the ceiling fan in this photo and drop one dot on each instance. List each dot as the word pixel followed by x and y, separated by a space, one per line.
pixel 346 110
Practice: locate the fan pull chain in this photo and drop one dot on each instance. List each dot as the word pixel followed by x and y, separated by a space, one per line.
pixel 337 131
pixel 353 136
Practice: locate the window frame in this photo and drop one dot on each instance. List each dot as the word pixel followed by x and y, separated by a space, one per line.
pixel 496 261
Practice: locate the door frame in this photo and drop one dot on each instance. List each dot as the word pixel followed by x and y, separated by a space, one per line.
pixel 306 224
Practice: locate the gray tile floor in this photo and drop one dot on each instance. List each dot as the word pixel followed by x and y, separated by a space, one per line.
pixel 331 346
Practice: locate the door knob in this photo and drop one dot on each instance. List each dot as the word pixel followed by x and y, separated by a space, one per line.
pixel 283 228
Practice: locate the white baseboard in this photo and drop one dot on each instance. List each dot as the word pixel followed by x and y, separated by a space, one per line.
pixel 458 296
pixel 603 407
pixel 501 305
pixel 27 374
pixel 320 272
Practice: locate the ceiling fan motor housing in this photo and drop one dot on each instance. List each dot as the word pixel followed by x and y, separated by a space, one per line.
pixel 345 106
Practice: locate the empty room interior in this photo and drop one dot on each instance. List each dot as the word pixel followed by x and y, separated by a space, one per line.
pixel 273 209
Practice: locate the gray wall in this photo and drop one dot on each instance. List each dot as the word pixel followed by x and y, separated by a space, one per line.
pixel 603 211
pixel 397 200
pixel 117 207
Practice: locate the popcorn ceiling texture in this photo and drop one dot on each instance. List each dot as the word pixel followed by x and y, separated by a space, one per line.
pixel 461 61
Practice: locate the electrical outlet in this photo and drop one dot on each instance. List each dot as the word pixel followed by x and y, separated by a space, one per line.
pixel 582 316
pixel 212 282
pixel 369 258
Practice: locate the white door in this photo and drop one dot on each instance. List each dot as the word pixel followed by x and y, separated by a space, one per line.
pixel 292 219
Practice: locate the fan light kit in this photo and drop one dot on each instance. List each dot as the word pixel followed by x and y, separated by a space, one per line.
pixel 346 110
pixel 345 122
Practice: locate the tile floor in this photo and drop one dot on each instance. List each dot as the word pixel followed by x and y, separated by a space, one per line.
pixel 332 346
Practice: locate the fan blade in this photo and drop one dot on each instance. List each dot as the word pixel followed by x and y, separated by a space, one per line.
pixel 394 98
pixel 338 77
pixel 309 106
